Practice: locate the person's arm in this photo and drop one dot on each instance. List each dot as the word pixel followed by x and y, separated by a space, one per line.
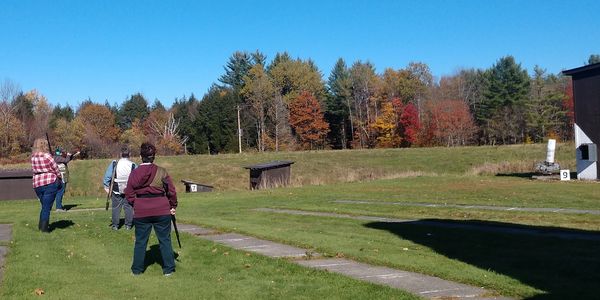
pixel 129 191
pixel 108 176
pixel 59 159
pixel 171 192
pixel 52 166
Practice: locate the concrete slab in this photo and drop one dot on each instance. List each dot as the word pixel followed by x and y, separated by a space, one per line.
pixel 5 236
pixel 419 284
pixel 5 232
pixel 195 230
pixel 423 285
pixel 3 252
pixel 247 243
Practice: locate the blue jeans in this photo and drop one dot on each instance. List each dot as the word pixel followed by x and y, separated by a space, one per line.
pixel 118 202
pixel 59 195
pixel 162 228
pixel 46 194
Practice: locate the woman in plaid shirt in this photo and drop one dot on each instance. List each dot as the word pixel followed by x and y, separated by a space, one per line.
pixel 46 180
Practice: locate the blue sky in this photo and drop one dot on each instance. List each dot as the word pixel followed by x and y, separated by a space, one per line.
pixel 108 50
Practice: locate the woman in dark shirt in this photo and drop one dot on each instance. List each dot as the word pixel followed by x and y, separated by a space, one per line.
pixel 152 194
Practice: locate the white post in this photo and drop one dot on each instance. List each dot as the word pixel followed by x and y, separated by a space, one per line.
pixel 239 129
pixel 550 151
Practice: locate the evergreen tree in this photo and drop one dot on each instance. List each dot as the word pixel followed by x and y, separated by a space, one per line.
pixel 593 59
pixel 238 66
pixel 185 112
pixel 503 109
pixel 135 108
pixel 216 124
pixel 157 105
pixel 59 113
pixel 338 106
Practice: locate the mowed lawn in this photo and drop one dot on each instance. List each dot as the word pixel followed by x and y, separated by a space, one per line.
pixel 84 259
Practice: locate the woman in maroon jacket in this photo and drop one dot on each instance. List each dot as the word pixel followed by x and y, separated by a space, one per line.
pixel 152 194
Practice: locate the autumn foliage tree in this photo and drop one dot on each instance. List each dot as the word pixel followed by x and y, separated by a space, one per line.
pixel 100 130
pixel 307 121
pixel 385 127
pixel 451 122
pixel 408 123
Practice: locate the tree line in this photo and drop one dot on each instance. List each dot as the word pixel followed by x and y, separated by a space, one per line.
pixel 286 104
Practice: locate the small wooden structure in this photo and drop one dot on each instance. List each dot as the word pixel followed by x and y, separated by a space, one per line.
pixel 16 185
pixel 270 174
pixel 194 187
pixel 586 95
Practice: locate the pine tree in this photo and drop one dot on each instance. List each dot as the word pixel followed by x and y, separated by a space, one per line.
pixel 338 106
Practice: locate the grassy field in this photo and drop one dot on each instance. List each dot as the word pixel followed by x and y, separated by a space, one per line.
pixel 83 259
pixel 226 172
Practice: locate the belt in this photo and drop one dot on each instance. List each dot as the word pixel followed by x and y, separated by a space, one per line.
pixel 150 195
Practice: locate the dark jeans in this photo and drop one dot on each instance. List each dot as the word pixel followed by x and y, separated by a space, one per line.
pixel 59 195
pixel 118 202
pixel 46 194
pixel 162 228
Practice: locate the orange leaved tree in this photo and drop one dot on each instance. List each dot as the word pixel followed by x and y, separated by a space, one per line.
pixel 307 121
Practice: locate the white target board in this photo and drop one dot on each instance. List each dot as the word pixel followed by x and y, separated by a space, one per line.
pixel 565 175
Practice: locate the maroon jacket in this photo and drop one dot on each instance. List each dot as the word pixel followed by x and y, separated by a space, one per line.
pixel 148 201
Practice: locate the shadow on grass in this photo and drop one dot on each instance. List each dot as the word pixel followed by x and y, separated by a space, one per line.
pixel 527 175
pixel 564 268
pixel 62 224
pixel 69 206
pixel 153 256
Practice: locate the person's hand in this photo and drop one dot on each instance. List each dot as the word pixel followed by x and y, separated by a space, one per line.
pixel 173 211
pixel 106 189
pixel 76 153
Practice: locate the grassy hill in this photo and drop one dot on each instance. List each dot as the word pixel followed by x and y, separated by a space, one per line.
pixel 226 172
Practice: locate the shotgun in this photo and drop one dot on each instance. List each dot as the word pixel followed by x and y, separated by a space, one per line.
pixel 49 147
pixel 176 231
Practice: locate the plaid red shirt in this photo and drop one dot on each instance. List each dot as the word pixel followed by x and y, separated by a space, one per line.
pixel 45 170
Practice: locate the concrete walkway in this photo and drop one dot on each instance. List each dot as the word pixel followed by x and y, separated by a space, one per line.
pixel 484 207
pixel 418 284
pixel 516 229
pixel 5 236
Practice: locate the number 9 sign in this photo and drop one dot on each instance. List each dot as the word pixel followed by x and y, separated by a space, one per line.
pixel 565 175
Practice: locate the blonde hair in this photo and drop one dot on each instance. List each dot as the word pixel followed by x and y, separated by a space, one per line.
pixel 39 145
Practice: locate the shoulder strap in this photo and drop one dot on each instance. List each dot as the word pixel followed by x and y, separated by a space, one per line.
pixel 114 176
pixel 160 175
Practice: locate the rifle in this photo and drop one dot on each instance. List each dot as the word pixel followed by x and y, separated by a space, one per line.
pixel 176 231
pixel 112 182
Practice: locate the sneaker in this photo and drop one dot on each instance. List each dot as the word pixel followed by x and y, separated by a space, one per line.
pixel 61 210
pixel 114 227
pixel 127 227
pixel 135 274
pixel 168 274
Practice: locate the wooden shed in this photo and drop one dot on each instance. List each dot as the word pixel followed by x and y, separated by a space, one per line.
pixel 16 185
pixel 270 174
pixel 586 95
